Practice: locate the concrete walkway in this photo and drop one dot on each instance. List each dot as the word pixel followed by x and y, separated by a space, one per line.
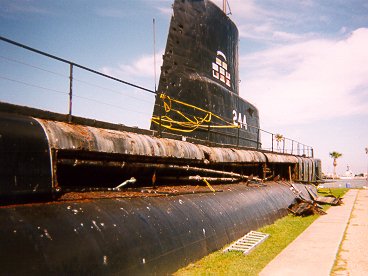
pixel 353 257
pixel 314 252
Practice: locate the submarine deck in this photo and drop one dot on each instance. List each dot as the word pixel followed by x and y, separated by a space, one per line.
pixel 157 191
pixel 88 194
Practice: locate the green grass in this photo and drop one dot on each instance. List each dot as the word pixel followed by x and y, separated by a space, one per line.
pixel 338 192
pixel 282 232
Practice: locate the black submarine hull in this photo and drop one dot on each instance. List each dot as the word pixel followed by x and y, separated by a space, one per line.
pixel 156 235
pixel 141 235
pixel 25 166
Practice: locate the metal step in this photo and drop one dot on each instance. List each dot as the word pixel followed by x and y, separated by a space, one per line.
pixel 248 242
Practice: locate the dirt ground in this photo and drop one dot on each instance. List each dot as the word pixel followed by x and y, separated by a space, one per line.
pixel 151 191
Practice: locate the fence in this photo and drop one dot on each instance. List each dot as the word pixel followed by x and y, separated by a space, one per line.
pixel 74 85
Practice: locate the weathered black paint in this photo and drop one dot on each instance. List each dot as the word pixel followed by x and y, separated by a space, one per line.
pixel 199 29
pixel 140 235
pixel 25 166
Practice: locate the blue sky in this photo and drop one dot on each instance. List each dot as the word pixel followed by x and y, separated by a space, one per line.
pixel 302 63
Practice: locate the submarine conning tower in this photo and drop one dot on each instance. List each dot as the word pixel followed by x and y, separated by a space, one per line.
pixel 198 91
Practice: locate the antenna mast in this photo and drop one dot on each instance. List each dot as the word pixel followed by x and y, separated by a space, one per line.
pixel 154 51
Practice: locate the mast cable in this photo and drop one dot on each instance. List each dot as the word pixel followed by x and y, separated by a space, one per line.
pixel 228 5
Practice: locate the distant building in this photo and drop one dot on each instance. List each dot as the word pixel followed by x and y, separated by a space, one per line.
pixel 348 173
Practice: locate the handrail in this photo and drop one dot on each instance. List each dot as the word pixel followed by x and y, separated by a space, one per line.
pixel 306 150
pixel 74 64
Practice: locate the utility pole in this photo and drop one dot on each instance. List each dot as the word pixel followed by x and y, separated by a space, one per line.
pixel 366 152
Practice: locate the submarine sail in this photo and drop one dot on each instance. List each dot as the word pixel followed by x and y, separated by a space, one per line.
pixel 198 91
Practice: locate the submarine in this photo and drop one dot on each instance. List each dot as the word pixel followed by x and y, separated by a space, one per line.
pixel 89 197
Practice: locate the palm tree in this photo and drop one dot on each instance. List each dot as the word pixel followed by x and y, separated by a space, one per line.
pixel 335 155
pixel 279 138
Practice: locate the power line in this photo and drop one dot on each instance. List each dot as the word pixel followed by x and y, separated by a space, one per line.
pixel 111 90
pixel 64 76
pixel 112 105
pixel 34 85
pixel 66 93
pixel 33 66
pixel 74 64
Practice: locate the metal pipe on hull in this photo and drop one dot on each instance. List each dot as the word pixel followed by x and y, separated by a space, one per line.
pixel 140 235
pixel 64 154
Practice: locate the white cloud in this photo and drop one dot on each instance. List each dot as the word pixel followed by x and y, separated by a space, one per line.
pixel 15 7
pixel 308 81
pixel 140 68
pixel 284 36
pixel 110 12
pixel 246 9
pixel 272 22
pixel 165 10
pixel 267 33
pixel 343 30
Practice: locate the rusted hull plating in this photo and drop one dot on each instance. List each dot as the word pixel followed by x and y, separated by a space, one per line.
pixel 80 155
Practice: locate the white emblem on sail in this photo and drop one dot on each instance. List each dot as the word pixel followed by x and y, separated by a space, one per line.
pixel 219 68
